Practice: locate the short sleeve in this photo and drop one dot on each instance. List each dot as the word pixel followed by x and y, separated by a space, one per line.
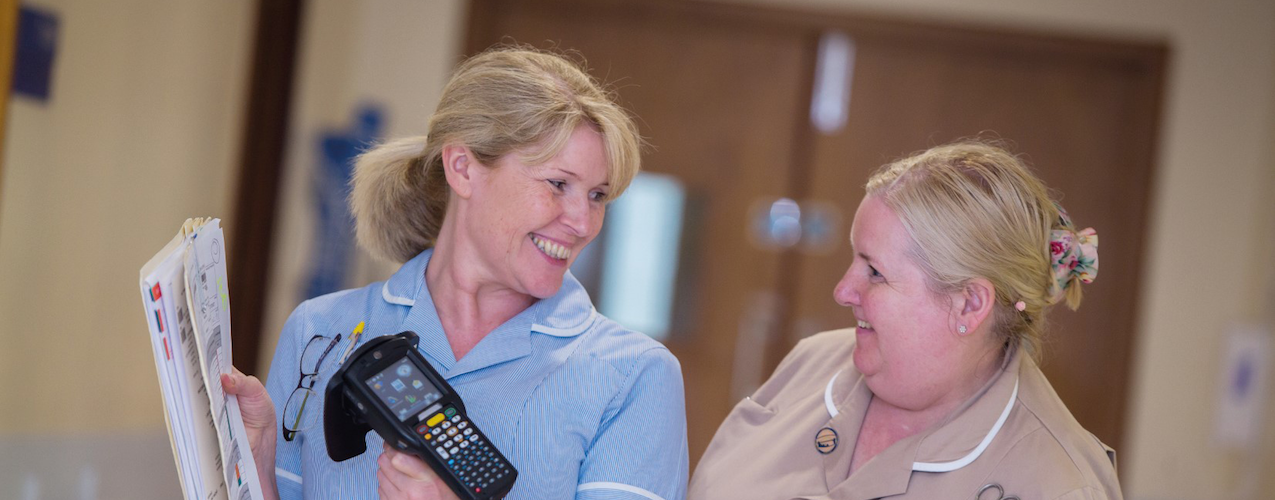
pixel 283 378
pixel 640 449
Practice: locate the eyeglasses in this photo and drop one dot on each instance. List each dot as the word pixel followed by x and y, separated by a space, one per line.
pixel 313 360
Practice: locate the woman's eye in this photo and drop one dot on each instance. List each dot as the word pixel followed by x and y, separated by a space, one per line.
pixel 559 185
pixel 598 196
pixel 872 272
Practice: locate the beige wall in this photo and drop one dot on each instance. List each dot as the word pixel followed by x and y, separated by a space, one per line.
pixel 142 130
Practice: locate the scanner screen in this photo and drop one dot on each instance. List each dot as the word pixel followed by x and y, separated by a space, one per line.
pixel 404 389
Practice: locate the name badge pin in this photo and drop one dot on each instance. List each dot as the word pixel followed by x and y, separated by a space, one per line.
pixel 826 440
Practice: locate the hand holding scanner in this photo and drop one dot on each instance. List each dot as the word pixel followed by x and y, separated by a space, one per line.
pixel 387 386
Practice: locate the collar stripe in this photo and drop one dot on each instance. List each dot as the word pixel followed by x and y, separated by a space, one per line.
pixel 394 299
pixel 604 485
pixel 567 332
pixel 286 474
pixel 963 461
pixel 827 396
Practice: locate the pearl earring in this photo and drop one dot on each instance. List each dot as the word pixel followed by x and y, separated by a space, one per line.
pixel 961 329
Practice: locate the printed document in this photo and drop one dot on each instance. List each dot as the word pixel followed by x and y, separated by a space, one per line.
pixel 184 293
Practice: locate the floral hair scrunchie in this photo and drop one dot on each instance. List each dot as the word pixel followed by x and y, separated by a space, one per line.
pixel 1071 253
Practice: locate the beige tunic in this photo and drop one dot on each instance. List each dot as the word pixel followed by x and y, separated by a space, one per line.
pixel 1014 433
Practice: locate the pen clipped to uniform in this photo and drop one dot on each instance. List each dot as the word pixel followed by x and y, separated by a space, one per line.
pixel 354 340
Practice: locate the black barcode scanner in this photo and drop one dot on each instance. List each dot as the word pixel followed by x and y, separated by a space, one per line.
pixel 387 386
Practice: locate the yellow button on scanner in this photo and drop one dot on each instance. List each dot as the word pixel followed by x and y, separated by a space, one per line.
pixel 434 420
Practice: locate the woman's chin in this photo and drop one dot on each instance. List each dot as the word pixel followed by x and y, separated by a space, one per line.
pixel 543 287
pixel 864 360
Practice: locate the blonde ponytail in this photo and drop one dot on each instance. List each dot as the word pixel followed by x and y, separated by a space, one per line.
pixel 398 202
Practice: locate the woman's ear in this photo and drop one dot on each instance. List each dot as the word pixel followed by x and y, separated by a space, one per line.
pixel 459 166
pixel 976 302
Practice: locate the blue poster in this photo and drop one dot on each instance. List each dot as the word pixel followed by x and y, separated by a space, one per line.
pixel 334 226
pixel 33 58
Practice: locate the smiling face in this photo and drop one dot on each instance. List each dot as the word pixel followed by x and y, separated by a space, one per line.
pixel 530 222
pixel 906 344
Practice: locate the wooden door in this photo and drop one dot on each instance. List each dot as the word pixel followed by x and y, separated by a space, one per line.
pixel 719 104
pixel 1083 114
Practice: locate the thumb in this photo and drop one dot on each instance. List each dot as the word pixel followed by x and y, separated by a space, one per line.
pixel 235 382
pixel 254 401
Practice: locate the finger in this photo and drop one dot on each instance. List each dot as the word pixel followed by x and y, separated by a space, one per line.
pixel 386 487
pixel 393 480
pixel 408 465
pixel 409 474
pixel 412 467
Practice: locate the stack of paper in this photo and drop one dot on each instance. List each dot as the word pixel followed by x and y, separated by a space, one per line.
pixel 188 310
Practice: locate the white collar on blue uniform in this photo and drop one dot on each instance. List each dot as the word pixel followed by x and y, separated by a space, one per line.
pixel 566 314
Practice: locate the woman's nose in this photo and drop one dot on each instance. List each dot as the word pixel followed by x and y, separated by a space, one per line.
pixel 577 216
pixel 846 293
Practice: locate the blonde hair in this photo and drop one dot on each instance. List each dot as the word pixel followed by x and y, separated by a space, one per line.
pixel 506 100
pixel 973 210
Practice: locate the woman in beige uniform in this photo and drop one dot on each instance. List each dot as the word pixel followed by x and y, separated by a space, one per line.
pixel 959 252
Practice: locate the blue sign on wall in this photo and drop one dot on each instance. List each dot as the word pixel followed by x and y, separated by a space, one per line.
pixel 37 46
pixel 334 226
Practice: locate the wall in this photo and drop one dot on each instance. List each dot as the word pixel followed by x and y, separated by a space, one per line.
pixel 141 131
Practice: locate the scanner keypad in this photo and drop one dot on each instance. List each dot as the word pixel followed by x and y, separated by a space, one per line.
pixel 473 460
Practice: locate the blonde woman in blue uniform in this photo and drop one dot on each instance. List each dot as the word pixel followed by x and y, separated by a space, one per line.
pixel 959 252
pixel 489 210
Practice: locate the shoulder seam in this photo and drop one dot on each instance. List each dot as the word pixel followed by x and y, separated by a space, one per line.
pixel 628 376
pixel 642 354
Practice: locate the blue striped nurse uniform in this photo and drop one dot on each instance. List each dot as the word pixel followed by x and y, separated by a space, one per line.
pixel 583 407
